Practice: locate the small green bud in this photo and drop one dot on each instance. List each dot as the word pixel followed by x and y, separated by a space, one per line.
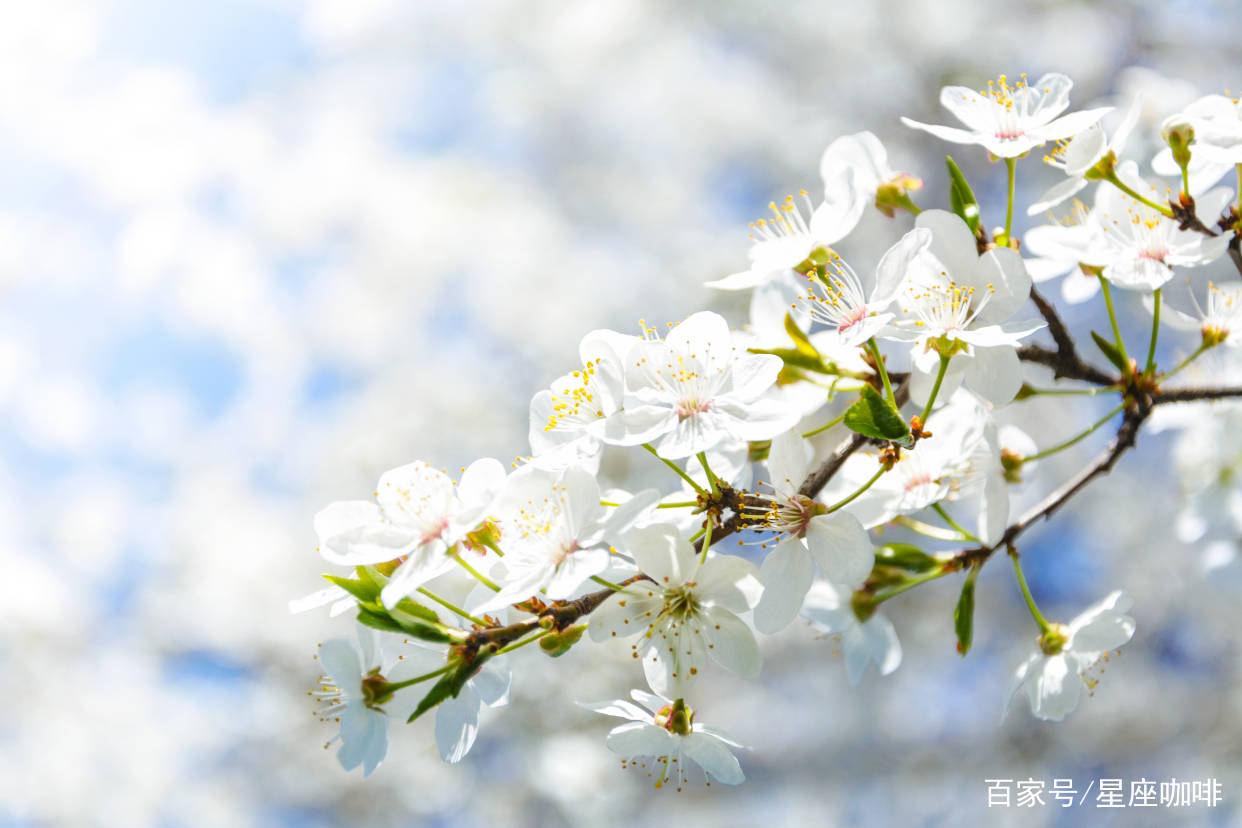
pixel 1213 336
pixel 894 194
pixel 1179 134
pixel 758 452
pixel 864 605
pixel 676 718
pixel 904 556
pixel 557 644
pixel 1054 639
pixel 1104 170
pixel 1011 466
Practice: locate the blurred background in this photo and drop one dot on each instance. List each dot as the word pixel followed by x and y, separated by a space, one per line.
pixel 252 254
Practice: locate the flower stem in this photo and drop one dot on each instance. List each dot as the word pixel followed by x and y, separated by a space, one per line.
pixel 693 484
pixel 609 584
pixel 1163 209
pixel 879 366
pixel 931 398
pixel 1112 319
pixel 910 584
pixel 707 540
pixel 944 515
pixel 394 686
pixel 451 608
pixel 1186 361
pixel 1077 438
pixel 825 426
pixel 927 529
pixel 483 579
pixel 1155 332
pixel 1012 164
pixel 1069 392
pixel 522 643
pixel 712 479
pixel 864 488
pixel 1026 593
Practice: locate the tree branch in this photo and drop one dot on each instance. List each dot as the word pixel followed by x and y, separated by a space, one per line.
pixel 1072 367
pixel 1125 439
pixel 1192 394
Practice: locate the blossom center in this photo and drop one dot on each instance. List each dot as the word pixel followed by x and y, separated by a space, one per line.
pixel 689 406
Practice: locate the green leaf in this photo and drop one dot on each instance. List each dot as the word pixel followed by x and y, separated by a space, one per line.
pixel 379 622
pixel 964 613
pixel 795 358
pixel 417 627
pixel 801 343
pixel 905 556
pixel 1110 350
pixel 410 606
pixel 448 686
pixel 358 589
pixel 961 197
pixel 873 416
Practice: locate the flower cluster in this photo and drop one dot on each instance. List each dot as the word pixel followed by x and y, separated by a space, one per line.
pixel 855 402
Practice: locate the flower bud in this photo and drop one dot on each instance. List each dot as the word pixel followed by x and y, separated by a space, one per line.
pixel 1179 134
pixel 1053 639
pixel 1011 466
pixel 893 194
pixel 1104 170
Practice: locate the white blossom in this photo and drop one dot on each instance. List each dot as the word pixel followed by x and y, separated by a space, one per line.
pixel 781 243
pixel 869 641
pixel 1055 676
pixel 953 294
pixel 419 514
pixel 653 730
pixel 556 533
pixel 1082 152
pixel 1137 246
pixel 807 537
pixel 840 299
pixel 1217 148
pixel 685 613
pixel 1009 120
pixel 343 698
pixel 693 391
pixel 571 421
pixel 865 158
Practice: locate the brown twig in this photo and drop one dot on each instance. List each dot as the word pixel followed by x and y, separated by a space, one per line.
pixel 1063 367
pixel 1193 394
pixel 1125 439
